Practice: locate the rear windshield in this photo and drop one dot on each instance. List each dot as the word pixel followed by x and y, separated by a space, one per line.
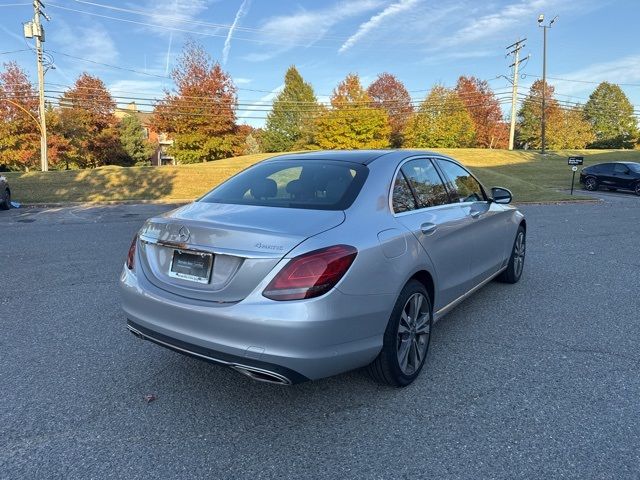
pixel 312 184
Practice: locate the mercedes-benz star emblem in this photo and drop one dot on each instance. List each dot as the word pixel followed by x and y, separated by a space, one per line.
pixel 184 234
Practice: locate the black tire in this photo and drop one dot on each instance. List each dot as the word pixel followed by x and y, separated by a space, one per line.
pixel 591 184
pixel 6 203
pixel 515 267
pixel 386 368
pixel 636 189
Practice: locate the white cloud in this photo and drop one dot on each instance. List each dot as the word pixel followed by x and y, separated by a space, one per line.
pixel 244 7
pixel 306 27
pixel 622 70
pixel 97 43
pixel 242 81
pixel 376 20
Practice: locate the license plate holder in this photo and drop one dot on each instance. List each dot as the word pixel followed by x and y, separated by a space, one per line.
pixel 192 266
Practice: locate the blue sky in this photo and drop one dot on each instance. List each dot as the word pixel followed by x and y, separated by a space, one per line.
pixel 423 42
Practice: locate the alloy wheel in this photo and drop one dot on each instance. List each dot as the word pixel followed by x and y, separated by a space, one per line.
pixel 518 254
pixel 590 184
pixel 413 333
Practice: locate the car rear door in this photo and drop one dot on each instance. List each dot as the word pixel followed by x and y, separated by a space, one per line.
pixel 486 236
pixel 421 204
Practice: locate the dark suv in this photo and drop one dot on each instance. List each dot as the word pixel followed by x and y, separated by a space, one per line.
pixel 614 176
pixel 5 193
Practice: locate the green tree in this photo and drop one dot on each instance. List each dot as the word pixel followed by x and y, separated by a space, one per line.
pixel 611 114
pixel 290 121
pixel 134 141
pixel 441 121
pixel 529 127
pixel 201 115
pixel 352 122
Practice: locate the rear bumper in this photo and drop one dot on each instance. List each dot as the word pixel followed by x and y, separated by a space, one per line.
pixel 295 340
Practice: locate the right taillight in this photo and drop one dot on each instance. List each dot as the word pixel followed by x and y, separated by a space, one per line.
pixel 131 256
pixel 311 274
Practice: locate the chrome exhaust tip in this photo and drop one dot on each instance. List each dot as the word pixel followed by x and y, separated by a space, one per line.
pixel 262 375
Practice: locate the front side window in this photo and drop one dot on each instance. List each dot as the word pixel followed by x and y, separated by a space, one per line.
pixel 312 184
pixel 464 187
pixel 620 168
pixel 426 183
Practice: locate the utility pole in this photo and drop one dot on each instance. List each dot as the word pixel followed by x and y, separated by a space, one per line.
pixel 544 76
pixel 35 29
pixel 516 47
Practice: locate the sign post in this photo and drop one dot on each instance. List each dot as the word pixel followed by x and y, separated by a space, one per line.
pixel 574 162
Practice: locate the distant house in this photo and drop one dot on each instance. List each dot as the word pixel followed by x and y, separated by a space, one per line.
pixel 163 142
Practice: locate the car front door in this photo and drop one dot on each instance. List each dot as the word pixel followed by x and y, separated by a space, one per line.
pixel 486 236
pixel 422 205
pixel 622 177
pixel 605 175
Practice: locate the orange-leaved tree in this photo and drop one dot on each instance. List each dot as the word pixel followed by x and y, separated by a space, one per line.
pixel 200 116
pixel 484 109
pixel 19 130
pixel 390 94
pixel 87 121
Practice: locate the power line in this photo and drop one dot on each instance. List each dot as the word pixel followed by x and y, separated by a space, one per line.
pixel 573 80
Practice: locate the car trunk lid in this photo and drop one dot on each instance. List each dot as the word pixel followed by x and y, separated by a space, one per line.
pixel 242 243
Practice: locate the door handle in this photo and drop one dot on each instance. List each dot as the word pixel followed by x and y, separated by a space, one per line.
pixel 428 228
pixel 475 213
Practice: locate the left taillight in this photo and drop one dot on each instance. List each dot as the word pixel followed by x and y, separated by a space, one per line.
pixel 311 274
pixel 131 256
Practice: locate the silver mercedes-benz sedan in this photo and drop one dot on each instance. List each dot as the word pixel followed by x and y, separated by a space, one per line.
pixel 307 265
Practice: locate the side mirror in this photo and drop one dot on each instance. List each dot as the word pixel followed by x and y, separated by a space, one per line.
pixel 501 195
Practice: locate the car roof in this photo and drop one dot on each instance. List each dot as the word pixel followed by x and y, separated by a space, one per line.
pixel 364 157
pixel 612 163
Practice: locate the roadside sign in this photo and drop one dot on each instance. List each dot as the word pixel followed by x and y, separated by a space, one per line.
pixel 574 162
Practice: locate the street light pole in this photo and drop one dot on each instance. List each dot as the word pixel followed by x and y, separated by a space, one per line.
pixel 544 78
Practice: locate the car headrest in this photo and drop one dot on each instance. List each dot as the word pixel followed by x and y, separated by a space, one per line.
pixel 264 188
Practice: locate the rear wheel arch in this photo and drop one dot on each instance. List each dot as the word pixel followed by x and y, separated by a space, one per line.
pixel 523 224
pixel 425 278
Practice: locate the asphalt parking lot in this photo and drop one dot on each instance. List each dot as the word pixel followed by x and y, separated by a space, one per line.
pixel 535 380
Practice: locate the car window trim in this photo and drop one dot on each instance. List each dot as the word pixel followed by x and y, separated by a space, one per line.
pixel 482 189
pixel 415 198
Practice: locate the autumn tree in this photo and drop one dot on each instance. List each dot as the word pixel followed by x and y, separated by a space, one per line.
pixel 390 94
pixel 200 116
pixel 567 128
pixel 290 121
pixel 611 114
pixel 529 126
pixel 19 130
pixel 484 109
pixel 88 122
pixel 441 121
pixel 352 121
pixel 134 141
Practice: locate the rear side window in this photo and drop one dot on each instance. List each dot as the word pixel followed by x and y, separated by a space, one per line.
pixel 312 184
pixel 620 168
pixel 426 183
pixel 465 188
pixel 403 199
pixel 635 167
